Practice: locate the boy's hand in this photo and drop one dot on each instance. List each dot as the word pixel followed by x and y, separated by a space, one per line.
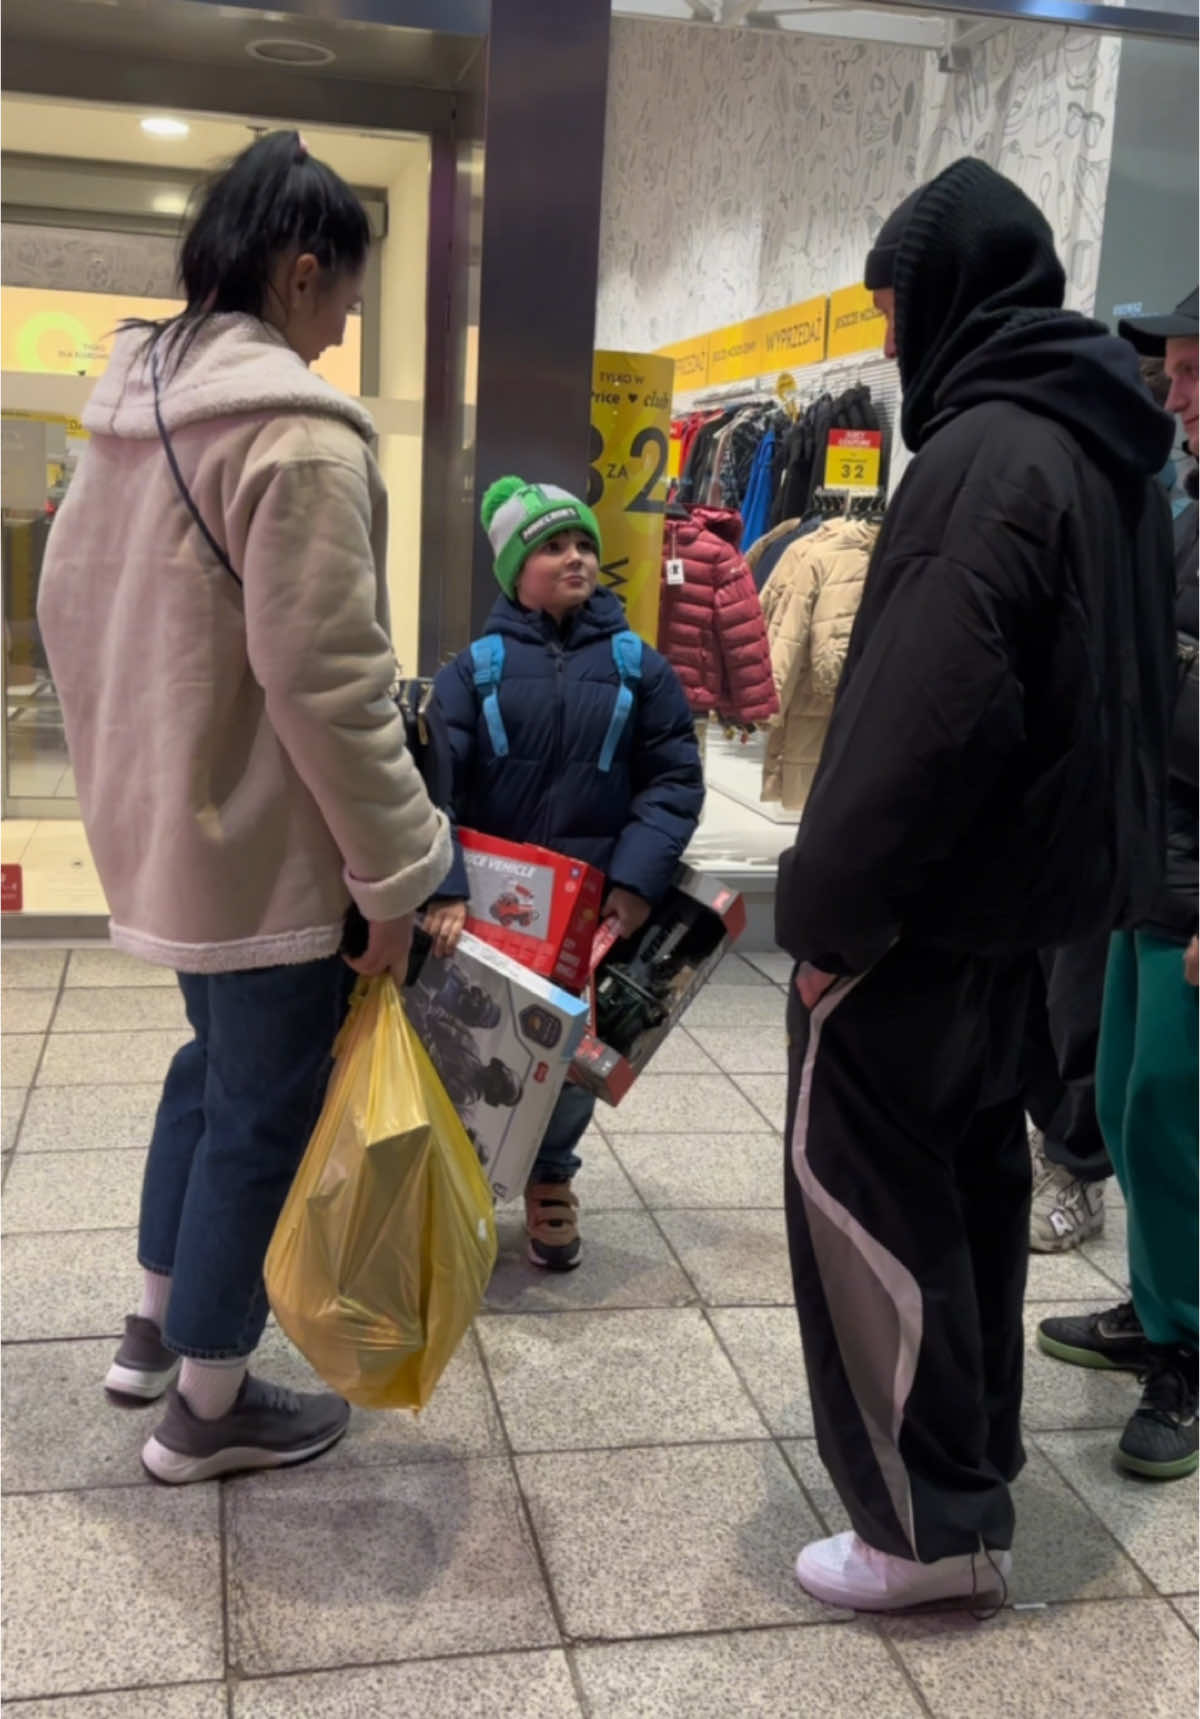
pixel 445 922
pixel 388 944
pixel 628 909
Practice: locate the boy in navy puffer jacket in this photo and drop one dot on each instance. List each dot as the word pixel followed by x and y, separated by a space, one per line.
pixel 557 692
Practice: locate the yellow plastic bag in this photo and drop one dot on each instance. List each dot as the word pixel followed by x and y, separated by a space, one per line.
pixel 386 1243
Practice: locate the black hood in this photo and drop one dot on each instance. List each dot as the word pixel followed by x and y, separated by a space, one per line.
pixel 979 318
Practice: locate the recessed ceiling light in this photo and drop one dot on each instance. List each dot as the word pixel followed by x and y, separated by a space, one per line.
pixel 161 126
pixel 290 51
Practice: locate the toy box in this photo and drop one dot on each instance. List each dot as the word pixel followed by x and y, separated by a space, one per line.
pixel 502 1039
pixel 641 986
pixel 537 906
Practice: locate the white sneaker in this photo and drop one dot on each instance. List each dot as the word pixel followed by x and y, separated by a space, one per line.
pixel 846 1572
pixel 1065 1211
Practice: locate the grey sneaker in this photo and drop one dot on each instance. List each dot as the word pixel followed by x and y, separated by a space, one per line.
pixel 143 1368
pixel 1065 1212
pixel 267 1427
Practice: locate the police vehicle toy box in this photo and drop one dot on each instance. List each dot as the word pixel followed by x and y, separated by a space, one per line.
pixel 538 906
pixel 502 1039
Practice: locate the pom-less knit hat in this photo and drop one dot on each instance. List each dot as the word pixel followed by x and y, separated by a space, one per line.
pixel 517 516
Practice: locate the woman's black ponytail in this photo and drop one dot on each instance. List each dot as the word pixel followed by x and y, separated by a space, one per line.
pixel 274 199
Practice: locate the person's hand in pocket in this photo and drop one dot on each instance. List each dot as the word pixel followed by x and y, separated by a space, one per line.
pixel 445 922
pixel 812 984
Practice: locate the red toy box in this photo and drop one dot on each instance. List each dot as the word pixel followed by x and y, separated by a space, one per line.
pixel 539 907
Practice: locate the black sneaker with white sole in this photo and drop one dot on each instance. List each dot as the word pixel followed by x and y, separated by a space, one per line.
pixel 267 1427
pixel 1112 1339
pixel 1160 1441
pixel 143 1368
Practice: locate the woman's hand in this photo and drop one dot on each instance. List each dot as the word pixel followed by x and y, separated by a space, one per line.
pixel 388 944
pixel 812 984
pixel 445 921
pixel 1191 963
pixel 628 909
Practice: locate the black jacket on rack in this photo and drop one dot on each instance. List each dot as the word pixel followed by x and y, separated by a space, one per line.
pixel 994 776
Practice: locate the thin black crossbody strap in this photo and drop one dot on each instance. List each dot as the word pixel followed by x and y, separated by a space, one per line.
pixel 184 491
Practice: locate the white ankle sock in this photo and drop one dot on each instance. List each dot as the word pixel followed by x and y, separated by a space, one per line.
pixel 156 1293
pixel 210 1388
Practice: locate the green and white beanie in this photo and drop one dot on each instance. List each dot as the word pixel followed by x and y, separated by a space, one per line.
pixel 517 516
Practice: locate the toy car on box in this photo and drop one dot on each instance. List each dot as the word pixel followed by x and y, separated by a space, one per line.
pixel 502 1039
pixel 641 985
pixel 539 907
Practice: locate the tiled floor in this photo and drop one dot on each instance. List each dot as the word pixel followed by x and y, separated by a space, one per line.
pixel 599 1512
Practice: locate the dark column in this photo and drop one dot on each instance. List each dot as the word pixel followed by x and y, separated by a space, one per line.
pixel 547 77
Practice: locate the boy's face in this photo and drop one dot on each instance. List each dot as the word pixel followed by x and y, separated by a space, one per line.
pixel 560 575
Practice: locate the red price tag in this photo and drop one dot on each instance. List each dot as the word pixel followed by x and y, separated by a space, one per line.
pixel 12 889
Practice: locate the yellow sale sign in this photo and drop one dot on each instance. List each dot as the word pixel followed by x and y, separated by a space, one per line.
pixel 627 479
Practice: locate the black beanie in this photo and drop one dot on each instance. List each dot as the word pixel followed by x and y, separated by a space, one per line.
pixel 880 271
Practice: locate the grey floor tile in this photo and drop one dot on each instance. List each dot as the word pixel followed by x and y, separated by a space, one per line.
pixel 745 1050
pixel 1058 1396
pixel 776 967
pixel 768 1094
pixel 764 1344
pixel 183 1701
pixel 107 1009
pixel 90 1118
pixel 736 970
pixel 626 1263
pixel 19 1053
pixel 704 1169
pixel 586 1379
pixel 1067 1277
pixel 602 1185
pixel 31 969
pixel 91 968
pixel 60 1286
pixel 104 1589
pixel 737 1006
pixel 688 1537
pixel 1155 1522
pixel 1067 1662
pixel 360 1566
pixel 1188 1607
pixel 108 1059
pixel 680 1104
pixel 60 1430
pixel 12 1104
pixel 679 1054
pixel 460 1421
pixel 735 1257
pixel 1061 1552
pixel 76 1191
pixel 844 1671
pixel 27 1011
pixel 533 1685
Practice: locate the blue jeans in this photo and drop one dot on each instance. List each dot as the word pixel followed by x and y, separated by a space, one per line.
pixel 557 1159
pixel 237 1110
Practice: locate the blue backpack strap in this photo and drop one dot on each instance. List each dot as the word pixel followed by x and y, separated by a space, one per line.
pixel 627 655
pixel 487 654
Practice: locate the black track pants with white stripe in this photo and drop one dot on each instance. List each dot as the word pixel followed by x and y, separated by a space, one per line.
pixel 907 1180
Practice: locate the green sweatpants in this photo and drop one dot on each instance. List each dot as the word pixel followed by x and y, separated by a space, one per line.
pixel 1147 1077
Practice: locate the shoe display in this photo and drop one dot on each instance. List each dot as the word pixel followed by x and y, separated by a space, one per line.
pixel 552 1224
pixel 1113 1339
pixel 267 1427
pixel 845 1571
pixel 1160 1440
pixel 143 1368
pixel 1065 1211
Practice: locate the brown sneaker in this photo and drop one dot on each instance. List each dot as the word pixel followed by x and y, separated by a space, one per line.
pixel 552 1223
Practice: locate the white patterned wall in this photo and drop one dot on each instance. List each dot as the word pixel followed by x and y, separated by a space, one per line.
pixel 746 170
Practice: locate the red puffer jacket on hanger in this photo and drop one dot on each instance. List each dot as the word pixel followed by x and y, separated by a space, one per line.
pixel 711 627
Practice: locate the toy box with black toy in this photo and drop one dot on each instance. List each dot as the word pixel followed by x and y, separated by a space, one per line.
pixel 538 906
pixel 642 985
pixel 502 1039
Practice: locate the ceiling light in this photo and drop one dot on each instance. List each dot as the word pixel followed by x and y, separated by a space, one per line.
pixel 290 51
pixel 161 126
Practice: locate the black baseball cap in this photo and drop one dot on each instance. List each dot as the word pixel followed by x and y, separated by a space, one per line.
pixel 1151 333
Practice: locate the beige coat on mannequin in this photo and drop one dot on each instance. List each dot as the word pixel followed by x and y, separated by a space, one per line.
pixel 240 763
pixel 810 602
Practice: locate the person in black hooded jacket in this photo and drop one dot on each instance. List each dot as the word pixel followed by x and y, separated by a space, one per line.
pixel 993 781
